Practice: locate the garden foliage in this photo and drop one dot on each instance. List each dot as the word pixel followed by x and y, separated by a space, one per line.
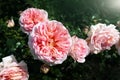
pixel 77 16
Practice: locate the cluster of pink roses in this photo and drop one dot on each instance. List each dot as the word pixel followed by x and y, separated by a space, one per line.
pixel 51 42
pixel 11 70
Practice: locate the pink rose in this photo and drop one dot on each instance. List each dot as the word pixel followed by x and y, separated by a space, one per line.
pixel 11 70
pixel 50 42
pixel 102 37
pixel 79 49
pixel 13 73
pixel 31 17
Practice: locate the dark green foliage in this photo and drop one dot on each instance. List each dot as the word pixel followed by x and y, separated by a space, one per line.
pixel 75 15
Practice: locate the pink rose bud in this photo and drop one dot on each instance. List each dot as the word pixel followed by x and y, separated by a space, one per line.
pixel 30 17
pixel 10 23
pixel 45 68
pixel 79 49
pixel 102 37
pixel 50 42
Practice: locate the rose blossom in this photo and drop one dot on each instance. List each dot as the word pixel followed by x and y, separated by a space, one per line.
pixel 31 17
pixel 13 73
pixel 50 42
pixel 79 49
pixel 14 70
pixel 102 37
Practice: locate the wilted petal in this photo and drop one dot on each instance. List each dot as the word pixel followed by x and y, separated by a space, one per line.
pixel 8 60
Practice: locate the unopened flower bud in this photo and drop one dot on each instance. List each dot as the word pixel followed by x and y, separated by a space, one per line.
pixel 10 23
pixel 45 68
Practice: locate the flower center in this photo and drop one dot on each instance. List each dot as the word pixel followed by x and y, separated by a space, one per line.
pixel 51 43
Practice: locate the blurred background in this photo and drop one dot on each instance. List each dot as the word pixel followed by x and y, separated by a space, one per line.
pixel 77 16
